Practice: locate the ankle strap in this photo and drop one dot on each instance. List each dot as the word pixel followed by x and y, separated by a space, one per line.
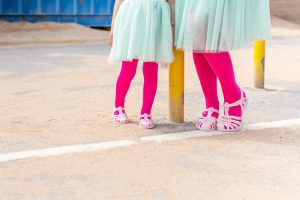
pixel 241 102
pixel 120 108
pixel 212 110
pixel 146 116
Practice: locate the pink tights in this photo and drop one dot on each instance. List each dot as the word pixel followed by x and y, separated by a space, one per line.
pixel 128 71
pixel 213 66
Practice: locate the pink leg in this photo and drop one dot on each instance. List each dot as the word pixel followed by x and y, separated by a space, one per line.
pixel 150 70
pixel 208 80
pixel 124 80
pixel 222 65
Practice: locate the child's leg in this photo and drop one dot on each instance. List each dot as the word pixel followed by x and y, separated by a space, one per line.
pixel 208 80
pixel 222 65
pixel 124 80
pixel 150 70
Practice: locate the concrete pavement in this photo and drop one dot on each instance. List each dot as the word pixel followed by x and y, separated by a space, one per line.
pixel 54 96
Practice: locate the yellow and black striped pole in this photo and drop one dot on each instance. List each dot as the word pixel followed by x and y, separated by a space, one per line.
pixel 259 64
pixel 176 88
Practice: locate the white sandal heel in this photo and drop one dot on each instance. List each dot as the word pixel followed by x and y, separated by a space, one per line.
pixel 209 122
pixel 233 123
pixel 121 117
pixel 146 121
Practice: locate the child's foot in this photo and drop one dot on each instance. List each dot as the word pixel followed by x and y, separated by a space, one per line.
pixel 208 120
pixel 233 122
pixel 120 116
pixel 146 121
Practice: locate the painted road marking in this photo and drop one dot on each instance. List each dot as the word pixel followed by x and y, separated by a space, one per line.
pixel 196 134
pixel 65 150
pixel 57 151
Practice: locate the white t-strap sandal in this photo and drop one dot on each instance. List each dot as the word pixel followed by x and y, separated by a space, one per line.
pixel 233 123
pixel 209 122
pixel 121 117
pixel 146 121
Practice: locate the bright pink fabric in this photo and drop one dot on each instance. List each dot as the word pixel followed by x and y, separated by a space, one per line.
pixel 213 66
pixel 128 71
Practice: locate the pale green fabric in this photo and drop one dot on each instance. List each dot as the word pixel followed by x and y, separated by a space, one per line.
pixel 220 25
pixel 143 31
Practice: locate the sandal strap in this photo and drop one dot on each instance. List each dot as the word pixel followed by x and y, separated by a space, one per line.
pixel 231 119
pixel 231 122
pixel 121 115
pixel 211 110
pixel 241 102
pixel 146 116
pixel 208 120
pixel 146 121
pixel 120 108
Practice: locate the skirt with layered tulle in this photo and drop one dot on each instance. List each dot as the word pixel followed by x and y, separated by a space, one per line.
pixel 142 31
pixel 220 25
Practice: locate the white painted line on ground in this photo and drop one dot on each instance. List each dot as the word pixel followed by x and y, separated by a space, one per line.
pixel 122 143
pixel 196 134
pixel 65 150
pixel 179 136
pixel 274 124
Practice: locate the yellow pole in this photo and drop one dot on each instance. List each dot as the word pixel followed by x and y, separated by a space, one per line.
pixel 259 64
pixel 176 88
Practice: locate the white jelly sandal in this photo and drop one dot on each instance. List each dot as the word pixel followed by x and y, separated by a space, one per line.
pixel 121 117
pixel 233 123
pixel 209 122
pixel 146 121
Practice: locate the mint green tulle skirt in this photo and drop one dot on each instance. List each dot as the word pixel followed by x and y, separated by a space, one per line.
pixel 142 31
pixel 220 25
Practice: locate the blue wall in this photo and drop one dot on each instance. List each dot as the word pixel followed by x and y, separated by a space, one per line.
pixel 86 12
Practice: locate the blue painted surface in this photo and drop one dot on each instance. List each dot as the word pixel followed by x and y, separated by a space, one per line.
pixel 85 12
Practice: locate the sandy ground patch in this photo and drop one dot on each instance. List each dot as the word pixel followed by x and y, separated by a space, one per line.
pixel 23 33
pixel 258 165
pixel 60 95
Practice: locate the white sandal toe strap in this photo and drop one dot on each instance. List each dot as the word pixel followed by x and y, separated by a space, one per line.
pixel 210 111
pixel 233 122
pixel 226 121
pixel 121 116
pixel 208 122
pixel 146 121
